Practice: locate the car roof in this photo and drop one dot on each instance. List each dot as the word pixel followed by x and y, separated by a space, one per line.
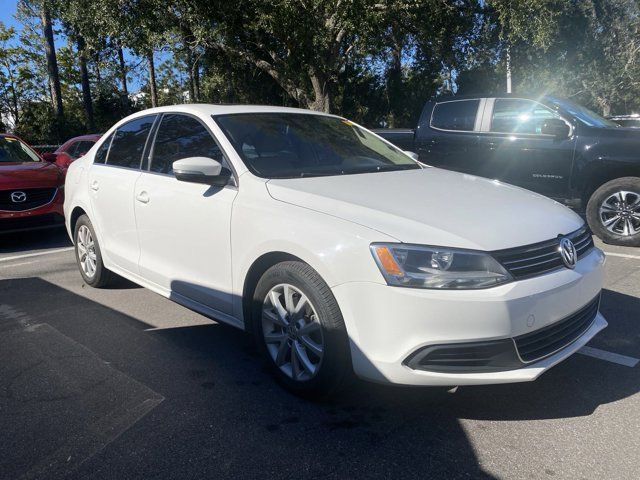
pixel 222 109
pixel 448 98
pixel 89 136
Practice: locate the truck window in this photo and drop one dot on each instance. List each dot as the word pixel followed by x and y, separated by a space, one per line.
pixel 455 115
pixel 514 115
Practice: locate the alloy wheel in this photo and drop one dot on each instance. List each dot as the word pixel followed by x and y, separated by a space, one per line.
pixel 292 332
pixel 620 213
pixel 86 251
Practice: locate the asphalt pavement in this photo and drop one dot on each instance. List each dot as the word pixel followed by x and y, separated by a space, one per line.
pixel 123 384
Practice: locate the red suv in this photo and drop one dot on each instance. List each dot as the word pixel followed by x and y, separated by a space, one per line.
pixel 31 189
pixel 72 150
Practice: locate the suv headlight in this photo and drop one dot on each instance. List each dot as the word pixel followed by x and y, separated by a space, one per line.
pixel 437 267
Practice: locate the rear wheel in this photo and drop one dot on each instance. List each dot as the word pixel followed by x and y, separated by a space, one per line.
pixel 88 255
pixel 613 212
pixel 300 330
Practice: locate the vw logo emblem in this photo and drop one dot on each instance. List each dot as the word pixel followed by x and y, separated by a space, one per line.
pixel 568 253
pixel 18 197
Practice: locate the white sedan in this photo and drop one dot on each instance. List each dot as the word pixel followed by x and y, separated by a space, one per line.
pixel 338 251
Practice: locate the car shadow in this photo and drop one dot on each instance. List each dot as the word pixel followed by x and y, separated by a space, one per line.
pixel 34 240
pixel 223 415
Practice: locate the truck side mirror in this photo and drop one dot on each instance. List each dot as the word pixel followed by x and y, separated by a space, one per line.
pixel 413 155
pixel 556 127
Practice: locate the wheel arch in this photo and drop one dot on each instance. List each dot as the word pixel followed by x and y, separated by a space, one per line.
pixel 255 272
pixel 76 213
pixel 598 176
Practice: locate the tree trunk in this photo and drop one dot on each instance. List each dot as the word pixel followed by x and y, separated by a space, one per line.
pixel 96 62
pixel 122 71
pixel 394 82
pixel 196 80
pixel 152 79
pixel 192 83
pixel 86 87
pixel 322 90
pixel 52 64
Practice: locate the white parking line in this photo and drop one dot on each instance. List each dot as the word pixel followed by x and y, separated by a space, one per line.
pixel 622 255
pixel 609 356
pixel 37 254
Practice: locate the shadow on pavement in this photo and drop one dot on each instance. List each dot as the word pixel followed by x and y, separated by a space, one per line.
pixel 223 416
pixel 34 240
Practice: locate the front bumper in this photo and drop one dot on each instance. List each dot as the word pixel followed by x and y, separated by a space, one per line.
pixel 49 215
pixel 387 325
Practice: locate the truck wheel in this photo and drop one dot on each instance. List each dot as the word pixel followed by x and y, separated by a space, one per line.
pixel 613 212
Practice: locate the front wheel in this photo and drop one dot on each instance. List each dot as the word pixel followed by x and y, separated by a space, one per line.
pixel 300 330
pixel 613 212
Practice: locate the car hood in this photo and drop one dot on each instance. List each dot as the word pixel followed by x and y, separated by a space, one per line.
pixel 433 207
pixel 29 175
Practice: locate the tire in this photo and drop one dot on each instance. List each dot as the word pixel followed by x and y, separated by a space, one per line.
pixel 605 206
pixel 101 277
pixel 320 317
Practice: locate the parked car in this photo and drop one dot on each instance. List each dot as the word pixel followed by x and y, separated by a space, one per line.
pixel 72 150
pixel 337 250
pixel 31 189
pixel 627 121
pixel 547 145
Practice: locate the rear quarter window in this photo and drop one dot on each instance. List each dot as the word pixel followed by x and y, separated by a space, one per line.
pixel 457 115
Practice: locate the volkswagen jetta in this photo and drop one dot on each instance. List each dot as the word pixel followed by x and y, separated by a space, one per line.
pixel 338 251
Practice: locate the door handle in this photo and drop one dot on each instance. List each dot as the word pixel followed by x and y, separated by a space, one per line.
pixel 143 197
pixel 94 186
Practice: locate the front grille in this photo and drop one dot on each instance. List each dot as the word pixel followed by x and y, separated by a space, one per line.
pixel 543 257
pixel 541 343
pixel 9 225
pixel 35 197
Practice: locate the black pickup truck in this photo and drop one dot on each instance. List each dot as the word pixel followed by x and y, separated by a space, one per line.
pixel 546 144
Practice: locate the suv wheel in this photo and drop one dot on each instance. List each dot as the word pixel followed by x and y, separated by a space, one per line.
pixel 300 331
pixel 613 212
pixel 88 255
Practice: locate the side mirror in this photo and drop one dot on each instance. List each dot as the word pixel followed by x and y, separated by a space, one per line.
pixel 556 127
pixel 201 170
pixel 413 155
pixel 50 157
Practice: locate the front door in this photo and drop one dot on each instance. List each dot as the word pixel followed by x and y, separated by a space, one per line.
pixel 516 151
pixel 184 228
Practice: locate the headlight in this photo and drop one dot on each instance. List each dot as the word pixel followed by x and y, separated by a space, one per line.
pixel 437 267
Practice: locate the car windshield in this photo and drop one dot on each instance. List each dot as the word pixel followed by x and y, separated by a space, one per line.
pixel 583 114
pixel 13 150
pixel 293 145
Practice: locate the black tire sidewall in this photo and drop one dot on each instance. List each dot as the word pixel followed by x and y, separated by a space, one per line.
pixel 335 364
pixel 593 207
pixel 101 276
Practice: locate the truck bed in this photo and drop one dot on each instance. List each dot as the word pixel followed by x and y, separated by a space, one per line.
pixel 400 137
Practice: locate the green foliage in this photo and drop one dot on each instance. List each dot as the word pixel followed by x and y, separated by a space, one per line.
pixel 373 61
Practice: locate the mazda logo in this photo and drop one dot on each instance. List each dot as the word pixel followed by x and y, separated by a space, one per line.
pixel 568 253
pixel 18 197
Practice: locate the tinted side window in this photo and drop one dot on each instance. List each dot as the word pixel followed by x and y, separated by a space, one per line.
pixel 101 154
pixel 129 141
pixel 181 136
pixel 519 116
pixel 82 148
pixel 457 115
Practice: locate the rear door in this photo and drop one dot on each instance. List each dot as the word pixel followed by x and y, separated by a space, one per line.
pixel 185 228
pixel 515 150
pixel 452 139
pixel 112 178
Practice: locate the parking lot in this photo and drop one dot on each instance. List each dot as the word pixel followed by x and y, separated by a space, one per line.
pixel 122 383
